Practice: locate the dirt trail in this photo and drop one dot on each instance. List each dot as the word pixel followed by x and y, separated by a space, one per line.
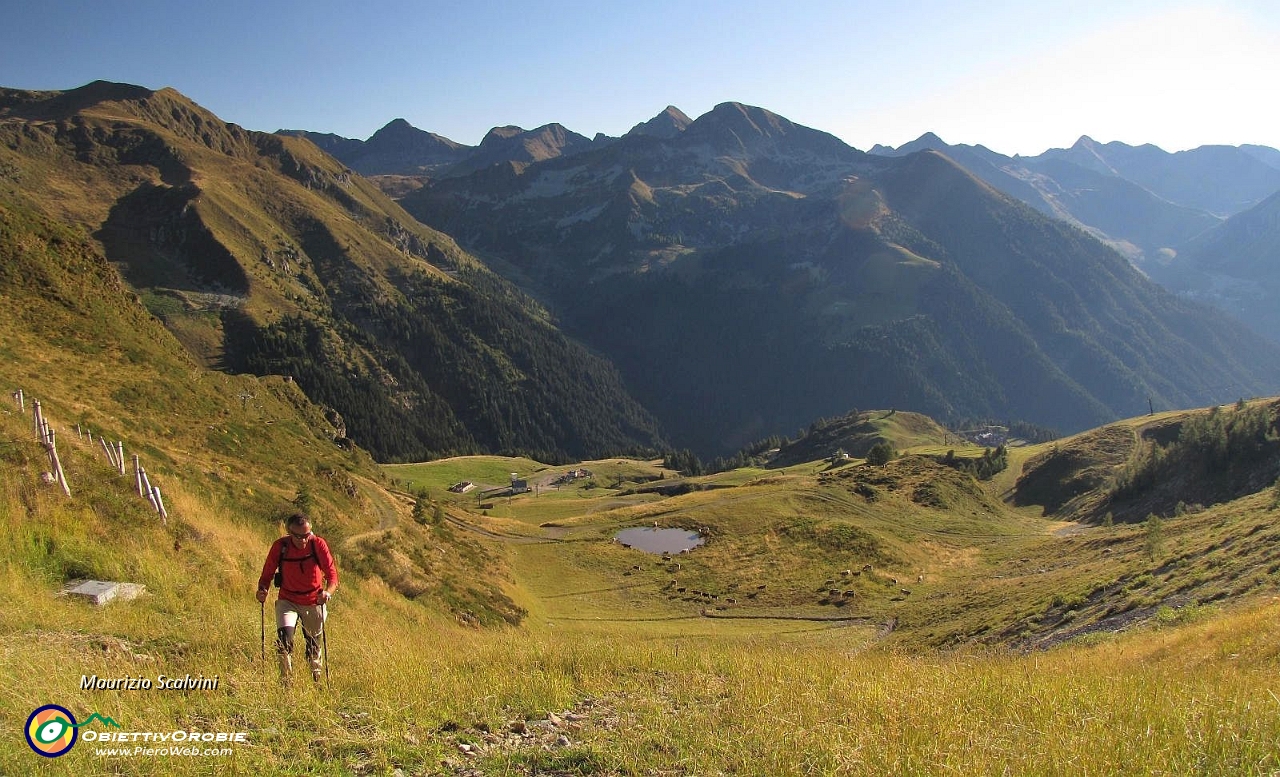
pixel 517 539
pixel 383 503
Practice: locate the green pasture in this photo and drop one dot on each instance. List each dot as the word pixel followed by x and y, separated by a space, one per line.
pixel 1137 656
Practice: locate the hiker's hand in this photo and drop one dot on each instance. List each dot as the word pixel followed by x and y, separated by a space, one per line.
pixel 262 596
pixel 324 597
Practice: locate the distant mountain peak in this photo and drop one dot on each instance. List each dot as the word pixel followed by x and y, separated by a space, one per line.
pixel 104 91
pixel 668 124
pixel 61 104
pixel 498 134
pixel 739 123
pixel 400 131
pixel 552 136
pixel 397 128
pixel 516 144
pixel 753 114
pixel 926 142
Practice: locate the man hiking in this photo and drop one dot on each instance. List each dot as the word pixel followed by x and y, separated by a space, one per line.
pixel 303 568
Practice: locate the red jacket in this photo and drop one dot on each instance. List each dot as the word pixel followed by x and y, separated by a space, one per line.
pixel 306 570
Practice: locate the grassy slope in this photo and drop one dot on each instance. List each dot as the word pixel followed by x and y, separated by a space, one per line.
pixel 654 687
pixel 856 433
pixel 231 236
pixel 651 688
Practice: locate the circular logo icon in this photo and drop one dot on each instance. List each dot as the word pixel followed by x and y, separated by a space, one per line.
pixel 51 730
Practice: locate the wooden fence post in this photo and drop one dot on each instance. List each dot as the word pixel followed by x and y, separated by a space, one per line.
pixel 56 464
pixel 146 486
pixel 159 503
pixel 137 474
pixel 111 453
pixel 120 456
pixel 22 405
pixel 35 417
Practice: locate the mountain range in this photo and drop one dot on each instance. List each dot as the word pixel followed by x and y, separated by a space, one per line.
pixel 400 149
pixel 700 283
pixel 263 254
pixel 1150 205
pixel 748 274
pixel 1179 217
pixel 1140 199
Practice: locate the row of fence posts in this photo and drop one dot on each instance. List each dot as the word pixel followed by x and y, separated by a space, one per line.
pixel 114 451
pixel 47 438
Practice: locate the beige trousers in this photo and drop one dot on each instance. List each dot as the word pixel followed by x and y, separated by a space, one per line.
pixel 287 616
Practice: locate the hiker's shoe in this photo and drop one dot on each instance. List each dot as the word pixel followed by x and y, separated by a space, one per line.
pixel 315 675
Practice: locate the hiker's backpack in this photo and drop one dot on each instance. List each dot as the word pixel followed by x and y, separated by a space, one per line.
pixel 278 580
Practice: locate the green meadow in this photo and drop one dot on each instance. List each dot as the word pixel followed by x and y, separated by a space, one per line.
pixel 610 669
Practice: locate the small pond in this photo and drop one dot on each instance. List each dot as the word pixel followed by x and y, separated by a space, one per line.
pixel 652 540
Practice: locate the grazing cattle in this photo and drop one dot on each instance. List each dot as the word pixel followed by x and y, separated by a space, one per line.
pixel 866 567
pixel 850 592
pixel 905 592
pixel 846 572
pixel 919 578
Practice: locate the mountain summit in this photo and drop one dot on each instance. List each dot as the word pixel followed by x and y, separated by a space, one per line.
pixel 750 273
pixel 665 125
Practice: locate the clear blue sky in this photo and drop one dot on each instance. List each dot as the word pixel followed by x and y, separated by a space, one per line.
pixel 1017 76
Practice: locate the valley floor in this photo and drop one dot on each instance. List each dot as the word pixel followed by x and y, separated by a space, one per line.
pixel 820 631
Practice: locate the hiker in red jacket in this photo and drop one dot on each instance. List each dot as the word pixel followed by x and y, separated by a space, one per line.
pixel 303 568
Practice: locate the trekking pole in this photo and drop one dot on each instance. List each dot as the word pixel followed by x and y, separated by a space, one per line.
pixel 262 611
pixel 324 640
